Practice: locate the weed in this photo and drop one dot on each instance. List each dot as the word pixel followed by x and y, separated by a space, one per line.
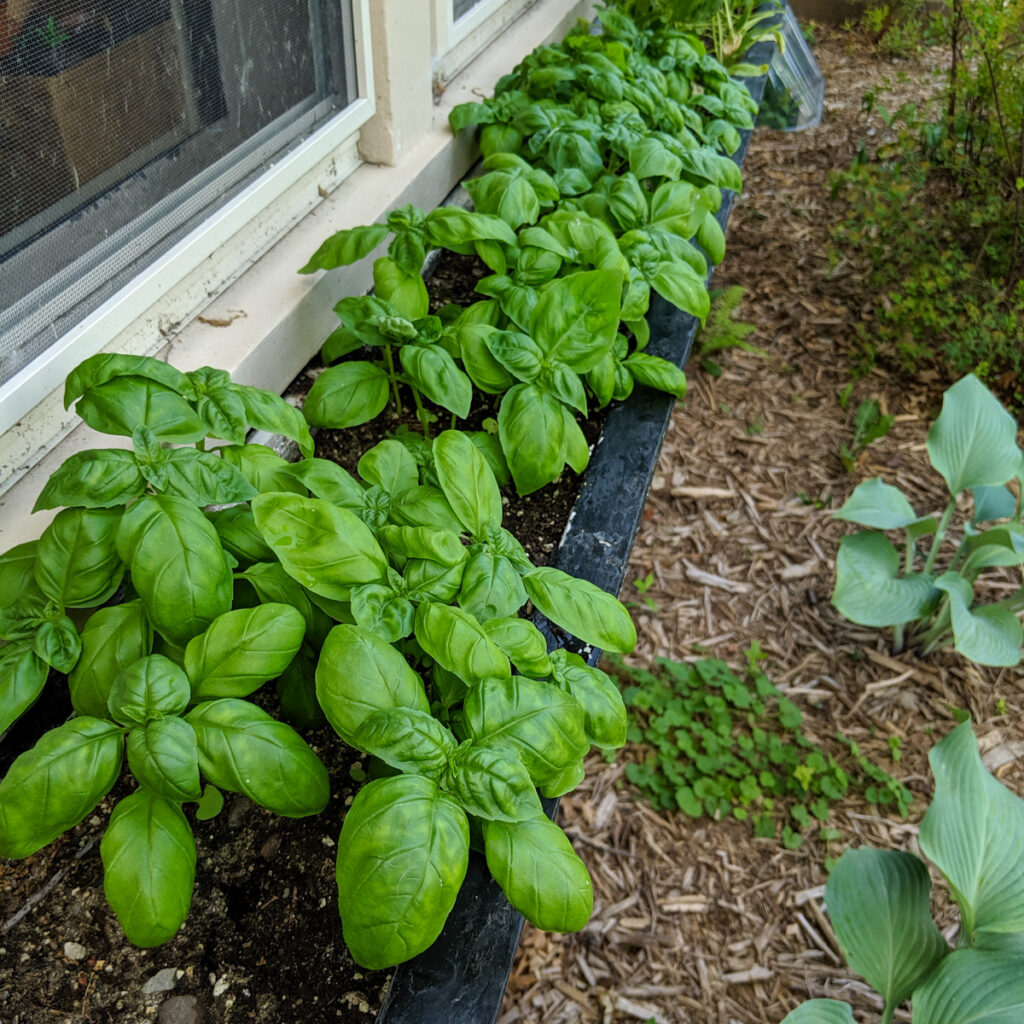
pixel 868 425
pixel 722 330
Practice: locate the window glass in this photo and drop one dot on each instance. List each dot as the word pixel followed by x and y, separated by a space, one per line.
pixel 124 122
pixel 463 7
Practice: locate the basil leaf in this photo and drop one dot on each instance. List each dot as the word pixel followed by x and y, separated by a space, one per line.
pixel 112 639
pixel 491 587
pixel 23 675
pixel 453 228
pixel 358 674
pixel 103 478
pixel 122 404
pixel 492 783
pixel 428 580
pixel 434 372
pixel 57 642
pixel 150 688
pixel 273 584
pixel 347 246
pixel 583 609
pixel 327 549
pixel 523 642
pixel 442 546
pixel 382 611
pixel 77 565
pixel 243 649
pixel 103 367
pixel 268 411
pixel 532 434
pixel 262 467
pixel 457 642
pixel 204 478
pixel 425 506
pixel 164 756
pixel 540 873
pixel 390 466
pixel 657 373
pixel 178 566
pixel 467 482
pixel 329 481
pixel 53 786
pixel 347 395
pixel 577 317
pixel 402 289
pixel 486 372
pixel 604 713
pixel 243 750
pixel 239 535
pixel 149 867
pixel 411 741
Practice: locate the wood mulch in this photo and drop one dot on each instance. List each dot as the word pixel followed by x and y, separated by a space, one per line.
pixel 697 920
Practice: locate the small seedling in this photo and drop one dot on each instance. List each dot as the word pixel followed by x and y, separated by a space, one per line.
pixel 868 425
pixel 722 330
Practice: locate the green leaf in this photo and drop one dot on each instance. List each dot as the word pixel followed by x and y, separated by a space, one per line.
pixel 993 503
pixel 577 317
pixel 263 468
pixel 441 546
pixel 101 478
pixel 112 639
pixel 149 867
pixel 358 674
pixel 77 565
pixel 243 750
pixel 239 536
pixel 204 478
pixel 454 228
pixel 486 372
pixel 973 986
pixel 604 713
pixel 491 587
pixel 53 786
pixel 23 675
pixel 57 642
pixel 411 741
pixel 649 158
pixel 266 410
pixel 974 831
pixel 987 634
pixel 164 756
pixel 490 782
pixel 680 284
pixel 539 721
pixel 523 642
pixel 820 1011
pixel 345 247
pixel 347 395
pixel 390 466
pixel 877 504
pixel 103 367
pixel 243 649
pixel 405 291
pixel 457 642
pixel 532 434
pixel 583 609
pixel 657 373
pixel 540 873
pixel 402 856
pixel 327 549
pixel 434 372
pixel 878 901
pixel 869 589
pixel 973 441
pixel 177 564
pixel 467 482
pixel 152 687
pixel 122 404
pixel 383 610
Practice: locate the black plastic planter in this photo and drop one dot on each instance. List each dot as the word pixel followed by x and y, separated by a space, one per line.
pixel 461 979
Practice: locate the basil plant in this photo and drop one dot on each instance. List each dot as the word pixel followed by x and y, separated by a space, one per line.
pixel 880 906
pixel 973 445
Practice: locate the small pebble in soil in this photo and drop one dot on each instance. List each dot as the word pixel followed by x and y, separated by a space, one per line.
pixel 75 951
pixel 163 981
pixel 181 1010
pixel 221 987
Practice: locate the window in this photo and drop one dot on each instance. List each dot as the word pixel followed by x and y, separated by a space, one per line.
pixel 462 28
pixel 127 124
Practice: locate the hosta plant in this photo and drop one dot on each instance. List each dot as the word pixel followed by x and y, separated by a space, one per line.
pixel 972 444
pixel 879 903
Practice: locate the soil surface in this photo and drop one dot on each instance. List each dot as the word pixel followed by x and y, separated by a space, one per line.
pixel 696 920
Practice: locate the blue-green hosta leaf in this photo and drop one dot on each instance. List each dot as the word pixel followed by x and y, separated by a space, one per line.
pixel 973 986
pixel 987 634
pixel 992 503
pixel 358 674
pixel 974 440
pixel 878 901
pixel 402 857
pixel 869 589
pixel 974 832
pixel 540 873
pixel 877 504
pixel 820 1011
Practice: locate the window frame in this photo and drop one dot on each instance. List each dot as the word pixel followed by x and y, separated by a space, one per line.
pixel 31 385
pixel 456 43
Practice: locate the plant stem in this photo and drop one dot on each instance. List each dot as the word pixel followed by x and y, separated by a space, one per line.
pixel 393 377
pixel 940 535
pixel 421 413
pixel 887 1014
pixel 897 639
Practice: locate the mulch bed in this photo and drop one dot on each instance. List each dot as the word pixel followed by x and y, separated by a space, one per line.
pixel 697 920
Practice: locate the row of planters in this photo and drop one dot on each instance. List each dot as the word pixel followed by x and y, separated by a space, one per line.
pixel 180 577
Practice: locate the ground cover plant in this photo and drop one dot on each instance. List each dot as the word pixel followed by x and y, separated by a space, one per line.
pixel 973 445
pixel 879 905
pixel 716 743
pixel 604 160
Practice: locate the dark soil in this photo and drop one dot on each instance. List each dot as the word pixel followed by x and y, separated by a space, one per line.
pixel 263 940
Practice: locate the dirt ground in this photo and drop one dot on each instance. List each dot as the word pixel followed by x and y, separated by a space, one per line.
pixel 698 921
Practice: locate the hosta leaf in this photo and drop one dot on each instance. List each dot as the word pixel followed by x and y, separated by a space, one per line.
pixel 402 856
pixel 869 589
pixel 149 867
pixel 877 504
pixel 540 873
pixel 974 440
pixel 987 634
pixel 973 986
pixel 878 901
pixel 820 1011
pixel 583 609
pixel 974 832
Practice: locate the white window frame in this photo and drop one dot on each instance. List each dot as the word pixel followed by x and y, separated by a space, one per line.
pixel 269 193
pixel 456 43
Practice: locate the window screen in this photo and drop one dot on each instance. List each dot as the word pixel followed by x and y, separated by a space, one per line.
pixel 124 122
pixel 463 7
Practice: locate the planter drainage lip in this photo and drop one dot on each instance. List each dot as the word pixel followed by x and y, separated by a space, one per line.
pixel 461 978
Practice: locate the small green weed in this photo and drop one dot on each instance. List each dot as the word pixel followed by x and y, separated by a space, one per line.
pixel 722 743
pixel 721 330
pixel 868 425
pixel 642 584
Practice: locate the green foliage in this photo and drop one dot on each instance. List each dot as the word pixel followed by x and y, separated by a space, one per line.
pixel 973 446
pixel 724 743
pixel 722 330
pixel 879 902
pixel 868 425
